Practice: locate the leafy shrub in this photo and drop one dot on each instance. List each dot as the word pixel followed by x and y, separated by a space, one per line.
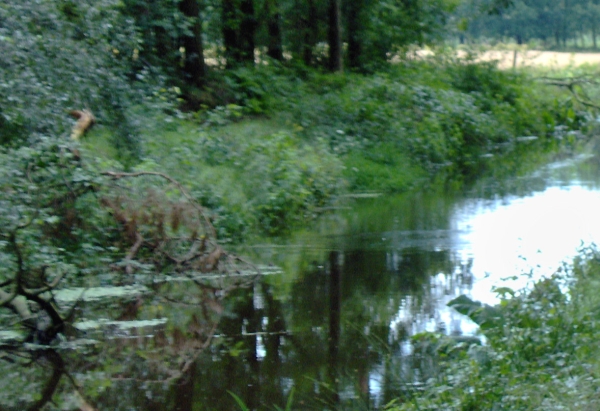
pixel 489 84
pixel 540 351
pixel 64 55
pixel 290 180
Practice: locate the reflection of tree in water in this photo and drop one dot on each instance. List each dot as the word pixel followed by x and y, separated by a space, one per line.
pixel 326 351
pixel 269 343
pixel 150 366
pixel 31 377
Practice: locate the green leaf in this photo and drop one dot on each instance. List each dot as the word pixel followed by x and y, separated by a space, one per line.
pixel 239 401
pixel 483 315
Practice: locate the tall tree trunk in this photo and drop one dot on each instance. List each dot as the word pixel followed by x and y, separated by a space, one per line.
pixel 594 34
pixel 274 47
pixel 230 32
pixel 194 68
pixel 247 31
pixel 566 17
pixel 335 36
pixel 184 398
pixel 311 30
pixel 354 33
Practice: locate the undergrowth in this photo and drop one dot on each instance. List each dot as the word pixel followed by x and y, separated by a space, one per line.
pixel 289 141
pixel 540 351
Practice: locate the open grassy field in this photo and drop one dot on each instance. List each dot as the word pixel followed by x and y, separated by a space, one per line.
pixel 537 58
pixel 529 58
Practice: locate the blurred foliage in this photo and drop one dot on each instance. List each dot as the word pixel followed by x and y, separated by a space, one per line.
pixel 59 56
pixel 45 205
pixel 541 23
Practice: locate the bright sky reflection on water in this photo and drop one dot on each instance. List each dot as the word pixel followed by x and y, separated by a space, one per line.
pixel 511 240
pixel 521 235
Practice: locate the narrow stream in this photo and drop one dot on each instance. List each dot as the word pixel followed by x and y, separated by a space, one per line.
pixel 336 324
pixel 331 324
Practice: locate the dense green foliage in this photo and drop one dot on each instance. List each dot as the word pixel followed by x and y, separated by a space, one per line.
pixel 224 143
pixel 312 136
pixel 292 144
pixel 60 56
pixel 540 351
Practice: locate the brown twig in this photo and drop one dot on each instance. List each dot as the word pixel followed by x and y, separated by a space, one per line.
pixel 139 240
pixel 571 84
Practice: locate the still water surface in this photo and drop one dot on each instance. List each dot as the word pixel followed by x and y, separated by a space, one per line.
pixel 333 325
pixel 399 261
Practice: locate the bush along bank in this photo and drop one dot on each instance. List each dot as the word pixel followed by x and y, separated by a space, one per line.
pixel 541 350
pixel 285 143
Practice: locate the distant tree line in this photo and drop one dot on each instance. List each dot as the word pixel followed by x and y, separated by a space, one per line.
pixel 553 22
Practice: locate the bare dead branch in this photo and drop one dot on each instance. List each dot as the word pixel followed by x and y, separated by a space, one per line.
pixel 85 120
pixel 46 287
pixel 133 251
pixel 571 83
pixel 119 175
pixel 7 282
pixel 6 298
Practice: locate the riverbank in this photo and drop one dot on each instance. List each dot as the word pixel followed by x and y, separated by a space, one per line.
pixel 291 141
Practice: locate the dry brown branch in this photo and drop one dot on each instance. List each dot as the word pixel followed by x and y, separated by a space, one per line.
pixel 133 251
pixel 85 120
pixel 119 175
pixel 572 83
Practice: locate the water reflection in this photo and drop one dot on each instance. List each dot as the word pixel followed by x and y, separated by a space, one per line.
pixel 402 259
pixel 334 329
pixel 530 234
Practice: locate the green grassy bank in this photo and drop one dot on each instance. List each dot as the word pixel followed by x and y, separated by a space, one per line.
pixel 287 142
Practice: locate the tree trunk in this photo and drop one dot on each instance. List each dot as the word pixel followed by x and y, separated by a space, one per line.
pixel 274 47
pixel 310 33
pixel 335 36
pixel 354 34
pixel 566 13
pixel 247 31
pixel 230 30
pixel 519 39
pixel 594 35
pixel 194 68
pixel 184 398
